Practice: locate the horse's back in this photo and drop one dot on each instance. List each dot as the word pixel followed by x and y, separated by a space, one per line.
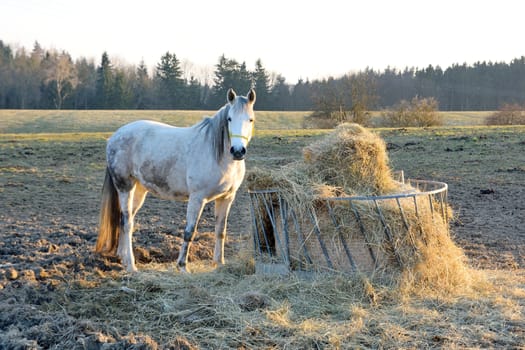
pixel 155 154
pixel 141 128
pixel 144 133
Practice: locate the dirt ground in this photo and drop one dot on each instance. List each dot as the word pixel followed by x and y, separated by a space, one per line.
pixel 49 193
pixel 485 171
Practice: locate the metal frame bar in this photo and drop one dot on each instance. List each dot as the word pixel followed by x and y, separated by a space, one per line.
pixel 363 232
pixel 317 231
pixel 342 239
pixel 302 240
pixel 388 233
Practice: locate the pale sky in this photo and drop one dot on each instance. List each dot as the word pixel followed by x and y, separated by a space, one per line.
pixel 298 39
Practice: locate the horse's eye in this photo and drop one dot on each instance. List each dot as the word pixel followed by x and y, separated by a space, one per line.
pixel 229 119
pixel 251 120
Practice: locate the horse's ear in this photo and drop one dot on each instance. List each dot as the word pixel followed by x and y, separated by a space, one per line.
pixel 251 95
pixel 231 95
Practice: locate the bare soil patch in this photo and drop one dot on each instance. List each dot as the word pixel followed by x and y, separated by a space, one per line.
pixel 484 170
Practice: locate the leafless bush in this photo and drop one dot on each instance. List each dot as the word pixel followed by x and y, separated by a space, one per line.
pixel 329 120
pixel 347 100
pixel 508 114
pixel 315 121
pixel 417 112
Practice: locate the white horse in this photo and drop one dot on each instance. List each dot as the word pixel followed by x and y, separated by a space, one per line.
pixel 198 164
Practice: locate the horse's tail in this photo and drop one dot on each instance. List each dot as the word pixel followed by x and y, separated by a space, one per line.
pixel 109 222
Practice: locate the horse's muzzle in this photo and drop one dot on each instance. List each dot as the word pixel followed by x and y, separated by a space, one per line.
pixel 238 153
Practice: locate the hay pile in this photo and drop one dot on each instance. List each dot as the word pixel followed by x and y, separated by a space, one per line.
pixel 349 161
pixel 350 158
pixel 388 239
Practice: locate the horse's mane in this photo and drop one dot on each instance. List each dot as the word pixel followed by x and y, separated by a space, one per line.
pixel 216 129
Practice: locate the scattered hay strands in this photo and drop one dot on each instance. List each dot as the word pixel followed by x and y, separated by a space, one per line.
pixel 229 309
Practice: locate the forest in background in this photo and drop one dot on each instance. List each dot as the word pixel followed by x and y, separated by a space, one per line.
pixel 51 79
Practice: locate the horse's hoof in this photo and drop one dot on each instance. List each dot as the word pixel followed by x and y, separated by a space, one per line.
pixel 184 270
pixel 217 264
pixel 131 269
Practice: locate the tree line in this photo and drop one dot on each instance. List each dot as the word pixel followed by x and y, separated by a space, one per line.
pixel 50 79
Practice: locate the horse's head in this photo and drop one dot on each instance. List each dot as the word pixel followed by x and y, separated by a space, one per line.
pixel 241 119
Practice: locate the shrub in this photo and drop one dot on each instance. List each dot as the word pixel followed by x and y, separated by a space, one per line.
pixel 329 120
pixel 417 112
pixel 342 101
pixel 508 114
pixel 320 121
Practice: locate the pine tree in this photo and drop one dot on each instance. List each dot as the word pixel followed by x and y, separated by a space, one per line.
pixel 169 81
pixel 224 79
pixel 280 94
pixel 301 97
pixel 86 87
pixel 243 82
pixel 6 66
pixel 193 92
pixel 261 81
pixel 104 83
pixel 230 74
pixel 141 87
pixel 118 98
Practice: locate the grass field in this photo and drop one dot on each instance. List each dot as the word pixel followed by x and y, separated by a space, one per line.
pixel 45 121
pixel 30 121
pixel 54 293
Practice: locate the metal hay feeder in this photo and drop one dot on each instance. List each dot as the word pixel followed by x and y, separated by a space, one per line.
pixel 341 233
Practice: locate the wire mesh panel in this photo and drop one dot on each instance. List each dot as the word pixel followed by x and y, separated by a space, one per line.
pixel 346 234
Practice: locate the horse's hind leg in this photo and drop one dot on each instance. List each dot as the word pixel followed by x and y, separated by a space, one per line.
pixel 125 250
pixel 138 198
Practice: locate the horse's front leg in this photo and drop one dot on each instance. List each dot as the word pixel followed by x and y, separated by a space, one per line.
pixel 193 214
pixel 222 209
pixel 125 250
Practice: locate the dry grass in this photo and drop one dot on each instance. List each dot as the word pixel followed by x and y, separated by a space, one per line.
pixel 228 309
pixel 48 121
